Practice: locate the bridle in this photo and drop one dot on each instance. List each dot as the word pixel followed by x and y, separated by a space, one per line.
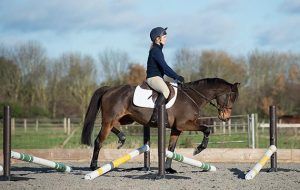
pixel 220 108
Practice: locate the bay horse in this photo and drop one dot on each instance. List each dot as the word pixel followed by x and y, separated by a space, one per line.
pixel 117 108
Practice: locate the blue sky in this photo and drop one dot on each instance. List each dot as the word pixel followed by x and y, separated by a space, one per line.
pixel 90 26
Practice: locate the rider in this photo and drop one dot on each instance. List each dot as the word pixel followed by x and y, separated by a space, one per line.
pixel 157 68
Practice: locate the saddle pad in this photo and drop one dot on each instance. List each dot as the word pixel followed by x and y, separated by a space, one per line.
pixel 142 97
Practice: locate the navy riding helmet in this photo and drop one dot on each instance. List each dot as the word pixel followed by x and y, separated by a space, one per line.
pixel 156 32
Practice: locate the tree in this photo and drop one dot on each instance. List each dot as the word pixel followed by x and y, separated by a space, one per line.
pixel 56 73
pixel 113 66
pixel 264 71
pixel 187 64
pixel 220 64
pixel 294 73
pixel 136 75
pixel 9 78
pixel 291 97
pixel 80 81
pixel 31 59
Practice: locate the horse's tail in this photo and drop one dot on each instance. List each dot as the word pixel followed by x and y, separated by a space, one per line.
pixel 90 116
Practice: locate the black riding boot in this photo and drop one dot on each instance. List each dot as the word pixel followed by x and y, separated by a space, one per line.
pixel 159 101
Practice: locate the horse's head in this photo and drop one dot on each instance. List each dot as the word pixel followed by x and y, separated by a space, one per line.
pixel 225 102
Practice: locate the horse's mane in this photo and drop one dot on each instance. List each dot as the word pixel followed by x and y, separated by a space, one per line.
pixel 216 82
pixel 209 81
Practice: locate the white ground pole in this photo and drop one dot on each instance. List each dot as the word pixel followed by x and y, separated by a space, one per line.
pixel 1 168
pixel 255 170
pixel 29 158
pixel 107 167
pixel 189 161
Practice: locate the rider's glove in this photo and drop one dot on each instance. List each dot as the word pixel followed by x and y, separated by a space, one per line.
pixel 181 79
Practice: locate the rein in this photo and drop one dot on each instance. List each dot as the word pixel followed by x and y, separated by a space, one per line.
pixel 219 108
pixel 202 95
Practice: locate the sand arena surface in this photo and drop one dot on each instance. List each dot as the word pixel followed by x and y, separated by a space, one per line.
pixel 127 176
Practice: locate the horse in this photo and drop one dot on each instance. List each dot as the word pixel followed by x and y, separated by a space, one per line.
pixel 117 108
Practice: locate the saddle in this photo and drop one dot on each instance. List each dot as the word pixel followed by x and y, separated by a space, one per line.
pixel 155 94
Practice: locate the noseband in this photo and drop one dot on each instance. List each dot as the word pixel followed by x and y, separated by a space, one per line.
pixel 226 102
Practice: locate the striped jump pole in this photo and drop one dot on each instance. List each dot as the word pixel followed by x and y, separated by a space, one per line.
pixel 29 158
pixel 255 170
pixel 189 161
pixel 107 167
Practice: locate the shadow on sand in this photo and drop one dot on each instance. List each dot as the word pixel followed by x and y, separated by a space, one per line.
pixel 15 178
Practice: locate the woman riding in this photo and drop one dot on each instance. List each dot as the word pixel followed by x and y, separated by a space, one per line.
pixel 157 68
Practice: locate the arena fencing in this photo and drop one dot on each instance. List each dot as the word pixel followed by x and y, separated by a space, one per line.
pixel 241 131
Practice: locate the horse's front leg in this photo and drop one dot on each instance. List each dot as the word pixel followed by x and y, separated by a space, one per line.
pixel 206 132
pixel 172 144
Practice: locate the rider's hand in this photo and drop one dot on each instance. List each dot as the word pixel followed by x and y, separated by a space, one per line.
pixel 181 79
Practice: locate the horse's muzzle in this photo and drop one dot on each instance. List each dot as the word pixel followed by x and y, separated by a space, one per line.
pixel 224 114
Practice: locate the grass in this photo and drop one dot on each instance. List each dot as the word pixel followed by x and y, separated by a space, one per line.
pixel 53 137
pixel 46 137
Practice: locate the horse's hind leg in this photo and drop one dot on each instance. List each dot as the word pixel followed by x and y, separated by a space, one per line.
pixel 120 135
pixel 104 132
pixel 206 132
pixel 172 144
pixel 97 147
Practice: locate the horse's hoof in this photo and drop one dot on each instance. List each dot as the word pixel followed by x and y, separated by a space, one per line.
pixel 93 166
pixel 121 142
pixel 170 171
pixel 197 151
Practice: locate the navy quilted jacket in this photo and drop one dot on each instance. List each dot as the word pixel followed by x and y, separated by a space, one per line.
pixel 156 64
